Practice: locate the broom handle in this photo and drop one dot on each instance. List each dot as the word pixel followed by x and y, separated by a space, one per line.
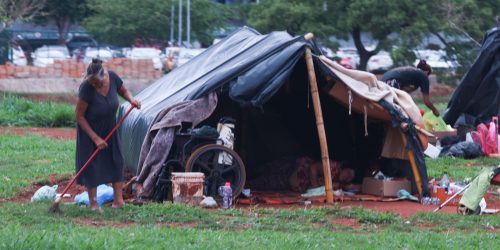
pixel 97 151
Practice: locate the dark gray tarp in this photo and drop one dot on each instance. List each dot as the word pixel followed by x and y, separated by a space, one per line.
pixel 252 65
pixel 478 94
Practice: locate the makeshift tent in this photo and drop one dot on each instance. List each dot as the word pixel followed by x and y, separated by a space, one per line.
pixel 267 83
pixel 478 95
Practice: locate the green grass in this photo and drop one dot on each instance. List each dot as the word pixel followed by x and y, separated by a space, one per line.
pixel 457 168
pixel 168 226
pixel 31 158
pixel 20 112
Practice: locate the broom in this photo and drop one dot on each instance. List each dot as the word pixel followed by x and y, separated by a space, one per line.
pixel 55 206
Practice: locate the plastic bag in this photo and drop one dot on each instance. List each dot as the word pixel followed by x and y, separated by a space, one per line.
pixel 104 195
pixel 434 123
pixel 492 136
pixel 486 137
pixel 45 193
pixel 464 149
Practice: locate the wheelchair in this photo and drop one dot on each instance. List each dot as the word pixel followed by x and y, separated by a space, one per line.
pixel 192 152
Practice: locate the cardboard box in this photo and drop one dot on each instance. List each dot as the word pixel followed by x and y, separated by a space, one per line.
pixel 385 188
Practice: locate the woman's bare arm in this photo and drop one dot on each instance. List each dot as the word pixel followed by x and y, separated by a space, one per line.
pixel 125 93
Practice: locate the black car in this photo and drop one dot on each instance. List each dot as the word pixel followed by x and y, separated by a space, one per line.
pixel 79 42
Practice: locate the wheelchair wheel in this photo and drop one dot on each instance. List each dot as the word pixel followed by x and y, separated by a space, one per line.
pixel 219 164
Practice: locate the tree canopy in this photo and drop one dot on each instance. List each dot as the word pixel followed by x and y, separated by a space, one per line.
pixel 11 10
pixel 63 13
pixel 122 21
pixel 410 20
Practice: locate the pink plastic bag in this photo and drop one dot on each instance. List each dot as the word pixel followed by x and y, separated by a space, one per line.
pixel 487 137
pixel 479 136
pixel 492 136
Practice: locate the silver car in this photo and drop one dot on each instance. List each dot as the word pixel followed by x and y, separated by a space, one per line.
pixel 104 54
pixel 47 55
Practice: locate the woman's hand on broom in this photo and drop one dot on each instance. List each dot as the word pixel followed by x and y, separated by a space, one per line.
pixel 136 103
pixel 100 143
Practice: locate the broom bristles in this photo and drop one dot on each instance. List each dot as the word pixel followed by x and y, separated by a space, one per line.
pixel 55 206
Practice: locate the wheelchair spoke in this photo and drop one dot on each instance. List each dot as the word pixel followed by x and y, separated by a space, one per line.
pixel 203 165
pixel 230 168
pixel 213 187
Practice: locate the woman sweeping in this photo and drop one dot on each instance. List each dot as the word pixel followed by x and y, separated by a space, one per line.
pixel 96 116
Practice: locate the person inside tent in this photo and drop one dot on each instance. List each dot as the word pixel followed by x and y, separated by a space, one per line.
pixel 411 78
pixel 299 174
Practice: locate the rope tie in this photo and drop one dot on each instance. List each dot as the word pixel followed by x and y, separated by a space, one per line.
pixel 366 120
pixel 349 92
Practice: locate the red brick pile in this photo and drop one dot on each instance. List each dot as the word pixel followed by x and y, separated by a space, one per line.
pixel 125 68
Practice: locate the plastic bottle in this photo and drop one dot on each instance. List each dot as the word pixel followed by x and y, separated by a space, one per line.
pixel 445 182
pixel 227 196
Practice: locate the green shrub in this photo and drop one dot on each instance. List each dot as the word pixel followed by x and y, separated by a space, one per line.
pixel 20 112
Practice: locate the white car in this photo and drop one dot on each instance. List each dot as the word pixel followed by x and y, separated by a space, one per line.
pixel 101 53
pixel 47 55
pixel 17 56
pixel 187 54
pixel 380 61
pixel 436 59
pixel 147 53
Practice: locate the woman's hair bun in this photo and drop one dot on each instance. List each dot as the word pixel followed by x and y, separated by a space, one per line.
pixel 96 60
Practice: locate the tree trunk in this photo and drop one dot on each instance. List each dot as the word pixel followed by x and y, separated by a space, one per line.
pixel 62 28
pixel 364 54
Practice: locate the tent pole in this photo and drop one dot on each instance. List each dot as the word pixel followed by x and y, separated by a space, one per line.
pixel 413 164
pixel 320 125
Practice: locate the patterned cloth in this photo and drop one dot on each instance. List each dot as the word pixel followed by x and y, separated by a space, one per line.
pixel 303 165
pixel 278 173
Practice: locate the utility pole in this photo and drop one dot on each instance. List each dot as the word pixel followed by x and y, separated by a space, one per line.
pixel 172 18
pixel 188 22
pixel 180 23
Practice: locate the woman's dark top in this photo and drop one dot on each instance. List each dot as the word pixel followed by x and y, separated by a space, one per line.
pixel 407 79
pixel 107 166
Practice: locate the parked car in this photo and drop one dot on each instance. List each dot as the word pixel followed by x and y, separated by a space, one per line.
pixel 350 56
pixel 115 50
pixel 17 56
pixel 104 54
pixel 147 53
pixel 80 41
pixel 187 54
pixel 436 59
pixel 46 55
pixel 382 61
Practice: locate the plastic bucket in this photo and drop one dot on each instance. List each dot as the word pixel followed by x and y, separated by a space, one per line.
pixel 187 188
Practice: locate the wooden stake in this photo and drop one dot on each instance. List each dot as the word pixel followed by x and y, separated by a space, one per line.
pixel 319 124
pixel 413 164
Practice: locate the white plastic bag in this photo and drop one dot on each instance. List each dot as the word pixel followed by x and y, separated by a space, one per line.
pixel 45 193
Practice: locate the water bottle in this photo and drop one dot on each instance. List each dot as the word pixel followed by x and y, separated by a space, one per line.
pixel 227 196
pixel 445 182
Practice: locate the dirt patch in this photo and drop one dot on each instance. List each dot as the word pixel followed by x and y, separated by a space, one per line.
pixel 440 90
pixel 100 223
pixel 62 182
pixel 71 99
pixel 402 208
pixel 55 133
pixel 347 222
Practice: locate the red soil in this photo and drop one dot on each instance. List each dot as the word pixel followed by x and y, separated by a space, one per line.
pixel 56 133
